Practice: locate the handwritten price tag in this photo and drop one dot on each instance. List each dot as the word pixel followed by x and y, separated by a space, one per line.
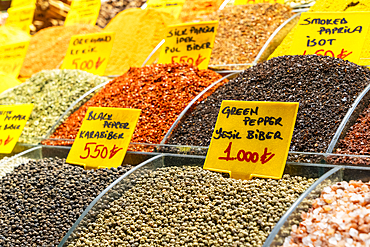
pixel 89 52
pixel 340 34
pixel 83 12
pixel 104 137
pixel 21 17
pixel 189 43
pixel 13 118
pixel 12 57
pixel 252 139
pixel 242 2
pixel 173 7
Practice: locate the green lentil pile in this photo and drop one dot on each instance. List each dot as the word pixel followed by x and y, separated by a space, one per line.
pixel 189 206
pixel 51 92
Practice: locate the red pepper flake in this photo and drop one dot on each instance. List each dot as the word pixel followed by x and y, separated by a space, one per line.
pixel 161 91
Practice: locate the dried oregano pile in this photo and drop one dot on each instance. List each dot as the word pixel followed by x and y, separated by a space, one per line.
pixel 325 88
pixel 41 200
pixel 189 206
pixel 51 92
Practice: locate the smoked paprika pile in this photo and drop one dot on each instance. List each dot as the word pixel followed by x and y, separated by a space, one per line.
pixel 161 91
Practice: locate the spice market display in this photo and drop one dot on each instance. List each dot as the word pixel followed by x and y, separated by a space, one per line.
pixel 160 195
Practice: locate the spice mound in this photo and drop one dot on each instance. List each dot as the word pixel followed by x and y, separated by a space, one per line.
pixel 330 6
pixel 7 166
pixel 138 32
pixel 161 91
pixel 189 206
pixel 244 29
pixel 324 87
pixel 340 217
pixel 49 46
pixel 41 200
pixel 192 9
pixel 356 141
pixel 109 9
pixel 51 92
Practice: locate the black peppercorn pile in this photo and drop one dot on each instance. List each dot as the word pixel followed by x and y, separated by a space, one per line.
pixel 325 88
pixel 189 206
pixel 40 200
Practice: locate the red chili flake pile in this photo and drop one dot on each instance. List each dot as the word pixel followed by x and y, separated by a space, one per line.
pixel 161 91
pixel 339 217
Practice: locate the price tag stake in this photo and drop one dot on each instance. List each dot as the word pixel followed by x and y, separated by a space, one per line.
pixel 337 34
pixel 13 118
pixel 103 138
pixel 189 43
pixel 89 52
pixel 252 139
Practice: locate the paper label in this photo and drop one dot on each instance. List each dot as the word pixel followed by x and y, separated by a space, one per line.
pixel 83 12
pixel 12 57
pixel 243 2
pixel 252 139
pixel 21 17
pixel 189 43
pixel 13 118
pixel 7 81
pixel 19 3
pixel 173 7
pixel 338 34
pixel 103 138
pixel 89 52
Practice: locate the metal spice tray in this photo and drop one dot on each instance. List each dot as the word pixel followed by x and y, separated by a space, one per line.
pixel 302 204
pixel 118 188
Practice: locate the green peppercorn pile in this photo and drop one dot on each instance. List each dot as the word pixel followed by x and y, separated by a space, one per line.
pixel 189 206
pixel 41 200
pixel 51 92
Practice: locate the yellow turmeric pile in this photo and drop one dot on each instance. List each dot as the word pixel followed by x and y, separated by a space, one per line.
pixel 330 6
pixel 138 32
pixel 49 46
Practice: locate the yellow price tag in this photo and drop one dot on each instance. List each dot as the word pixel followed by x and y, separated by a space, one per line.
pixel 173 7
pixel 19 3
pixel 83 12
pixel 7 81
pixel 13 118
pixel 189 43
pixel 103 138
pixel 21 17
pixel 89 52
pixel 338 34
pixel 243 2
pixel 252 138
pixel 12 57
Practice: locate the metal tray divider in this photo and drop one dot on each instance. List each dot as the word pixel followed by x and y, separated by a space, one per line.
pixel 70 108
pixel 343 127
pixel 285 217
pixel 272 36
pixel 183 113
pixel 91 205
pixel 21 154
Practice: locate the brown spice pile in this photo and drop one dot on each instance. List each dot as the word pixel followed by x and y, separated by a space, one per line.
pixel 340 217
pixel 193 9
pixel 244 29
pixel 161 91
pixel 49 46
